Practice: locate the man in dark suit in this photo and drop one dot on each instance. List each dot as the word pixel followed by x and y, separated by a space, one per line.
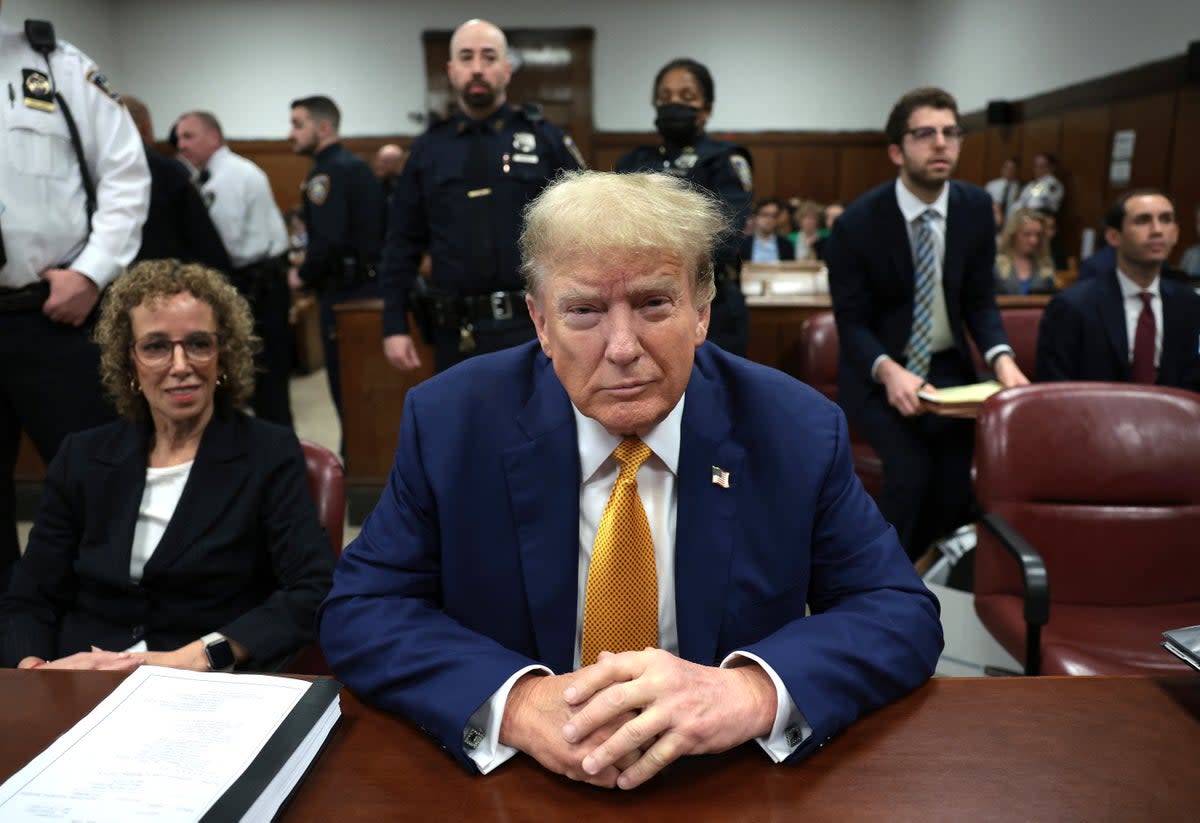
pixel 764 245
pixel 480 596
pixel 1130 324
pixel 910 272
pixel 177 224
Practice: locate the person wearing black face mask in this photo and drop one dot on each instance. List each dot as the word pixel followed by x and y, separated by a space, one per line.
pixel 683 97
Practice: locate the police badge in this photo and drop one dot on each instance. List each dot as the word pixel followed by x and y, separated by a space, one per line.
pixel 318 189
pixel 39 94
pixel 524 142
pixel 686 161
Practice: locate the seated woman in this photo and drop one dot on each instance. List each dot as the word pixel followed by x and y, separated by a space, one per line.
pixel 808 241
pixel 182 535
pixel 1023 262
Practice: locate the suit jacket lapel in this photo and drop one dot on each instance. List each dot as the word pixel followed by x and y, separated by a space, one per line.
pixel 896 240
pixel 215 480
pixel 1174 337
pixel 954 259
pixel 706 517
pixel 1112 316
pixel 543 488
pixel 119 480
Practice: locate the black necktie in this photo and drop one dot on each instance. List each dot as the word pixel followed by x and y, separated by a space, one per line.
pixel 479 204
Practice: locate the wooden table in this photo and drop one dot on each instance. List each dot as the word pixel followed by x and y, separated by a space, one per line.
pixel 1019 749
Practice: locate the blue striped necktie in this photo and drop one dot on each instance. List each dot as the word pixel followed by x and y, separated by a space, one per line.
pixel 919 351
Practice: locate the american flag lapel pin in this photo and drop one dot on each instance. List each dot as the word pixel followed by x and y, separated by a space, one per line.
pixel 720 477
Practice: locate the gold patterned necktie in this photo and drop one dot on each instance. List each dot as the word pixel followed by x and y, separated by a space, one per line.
pixel 620 611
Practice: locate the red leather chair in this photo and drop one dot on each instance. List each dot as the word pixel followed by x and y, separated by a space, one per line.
pixel 1091 500
pixel 1021 326
pixel 326 486
pixel 816 363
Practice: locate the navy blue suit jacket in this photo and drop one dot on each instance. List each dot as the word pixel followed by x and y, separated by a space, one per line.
pixel 872 282
pixel 243 553
pixel 1082 335
pixel 467 569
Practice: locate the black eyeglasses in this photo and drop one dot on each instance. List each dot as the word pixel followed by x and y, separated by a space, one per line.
pixel 156 350
pixel 926 134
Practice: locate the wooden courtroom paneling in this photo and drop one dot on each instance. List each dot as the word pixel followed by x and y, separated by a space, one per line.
pixel 1041 135
pixel 1183 181
pixel 1001 143
pixel 972 160
pixel 861 168
pixel 372 397
pixel 809 172
pixel 1087 141
pixel 1152 119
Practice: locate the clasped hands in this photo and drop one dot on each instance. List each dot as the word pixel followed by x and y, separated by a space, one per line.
pixel 623 719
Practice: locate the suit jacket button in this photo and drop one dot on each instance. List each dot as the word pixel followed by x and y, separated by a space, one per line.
pixel 138 631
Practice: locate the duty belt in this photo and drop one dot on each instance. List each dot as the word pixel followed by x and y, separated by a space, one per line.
pixel 27 298
pixel 499 305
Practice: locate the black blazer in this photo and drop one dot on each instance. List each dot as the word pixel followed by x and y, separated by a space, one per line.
pixel 1082 335
pixel 177 223
pixel 243 553
pixel 872 282
pixel 786 250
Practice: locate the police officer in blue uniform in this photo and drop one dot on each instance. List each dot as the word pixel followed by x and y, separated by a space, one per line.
pixel 683 98
pixel 460 197
pixel 343 216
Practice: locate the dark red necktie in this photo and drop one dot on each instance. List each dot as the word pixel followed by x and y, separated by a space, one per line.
pixel 1143 343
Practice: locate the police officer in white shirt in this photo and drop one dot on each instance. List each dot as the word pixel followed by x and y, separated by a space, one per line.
pixel 1045 191
pixel 74 190
pixel 243 209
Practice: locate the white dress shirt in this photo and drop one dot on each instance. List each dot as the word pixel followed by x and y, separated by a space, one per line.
pixel 1132 301
pixel 243 209
pixel 43 207
pixel 657 488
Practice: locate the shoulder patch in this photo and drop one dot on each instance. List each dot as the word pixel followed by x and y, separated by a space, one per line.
pixel 318 189
pixel 741 167
pixel 574 151
pixel 100 80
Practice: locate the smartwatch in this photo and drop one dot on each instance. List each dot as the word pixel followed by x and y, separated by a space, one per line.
pixel 219 652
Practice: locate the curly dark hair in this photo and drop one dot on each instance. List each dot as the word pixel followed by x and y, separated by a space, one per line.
pixel 154 280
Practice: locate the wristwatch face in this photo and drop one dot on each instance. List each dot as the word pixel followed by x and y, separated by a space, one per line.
pixel 220 655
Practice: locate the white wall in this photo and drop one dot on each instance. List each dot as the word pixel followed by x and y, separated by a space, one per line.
pixel 1010 49
pixel 90 24
pixel 778 64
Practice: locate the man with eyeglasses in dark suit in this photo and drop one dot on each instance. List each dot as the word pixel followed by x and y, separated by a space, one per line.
pixel 910 272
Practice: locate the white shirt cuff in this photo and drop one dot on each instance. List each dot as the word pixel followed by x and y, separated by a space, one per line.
pixel 790 728
pixel 996 351
pixel 481 737
pixel 875 367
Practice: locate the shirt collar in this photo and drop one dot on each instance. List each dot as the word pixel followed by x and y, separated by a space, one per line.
pixel 596 444
pixel 1131 290
pixel 913 207
pixel 217 158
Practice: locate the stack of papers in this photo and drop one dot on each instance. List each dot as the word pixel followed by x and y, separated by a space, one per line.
pixel 971 394
pixel 171 745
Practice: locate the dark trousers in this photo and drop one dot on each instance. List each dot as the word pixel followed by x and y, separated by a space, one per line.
pixel 49 387
pixel 729 322
pixel 489 335
pixel 926 463
pixel 264 285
